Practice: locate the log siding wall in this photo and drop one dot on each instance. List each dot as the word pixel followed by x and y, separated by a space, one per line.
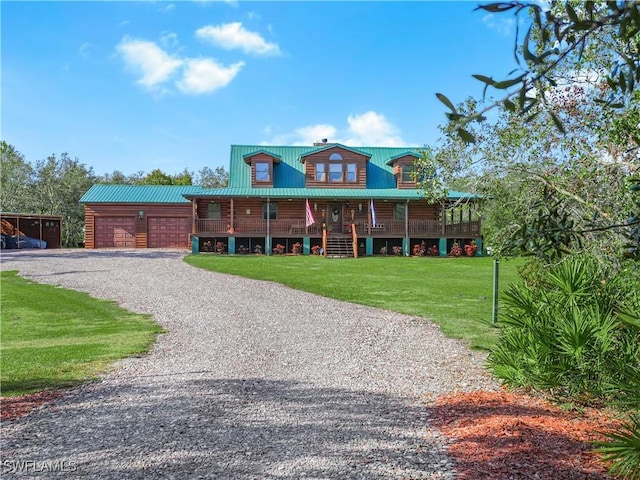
pixel 348 157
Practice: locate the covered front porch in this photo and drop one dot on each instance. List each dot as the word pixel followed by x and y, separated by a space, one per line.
pixel 239 225
pixel 247 217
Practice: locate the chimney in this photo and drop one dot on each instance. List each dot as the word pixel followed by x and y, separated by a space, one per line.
pixel 320 143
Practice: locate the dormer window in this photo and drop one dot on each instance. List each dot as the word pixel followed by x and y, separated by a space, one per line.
pixel 262 165
pixel 321 173
pixel 263 172
pixel 404 169
pixel 408 173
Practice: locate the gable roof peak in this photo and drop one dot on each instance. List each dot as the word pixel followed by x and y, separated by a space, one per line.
pixel 328 146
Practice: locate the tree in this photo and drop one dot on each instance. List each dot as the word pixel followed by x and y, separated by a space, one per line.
pixel 208 178
pixel 561 35
pixel 156 177
pixel 563 56
pixel 579 71
pixel 16 178
pixel 59 184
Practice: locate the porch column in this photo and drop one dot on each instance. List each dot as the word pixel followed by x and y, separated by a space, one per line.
pixel 268 237
pixel 194 214
pixel 443 217
pixel 406 228
pixel 231 215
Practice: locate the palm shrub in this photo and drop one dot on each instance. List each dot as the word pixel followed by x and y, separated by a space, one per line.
pixel 573 330
pixel 569 329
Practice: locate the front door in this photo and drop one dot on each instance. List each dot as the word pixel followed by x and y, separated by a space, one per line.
pixel 335 218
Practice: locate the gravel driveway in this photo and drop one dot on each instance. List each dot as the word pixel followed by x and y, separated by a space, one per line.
pixel 251 380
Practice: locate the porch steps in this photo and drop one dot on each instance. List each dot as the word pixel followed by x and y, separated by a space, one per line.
pixel 339 247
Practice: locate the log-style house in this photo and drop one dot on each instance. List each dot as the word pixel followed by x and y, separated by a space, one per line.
pixel 327 198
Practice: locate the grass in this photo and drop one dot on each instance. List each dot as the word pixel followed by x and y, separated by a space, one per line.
pixel 56 338
pixel 456 293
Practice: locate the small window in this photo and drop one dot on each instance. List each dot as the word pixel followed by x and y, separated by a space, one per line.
pixel 262 172
pixel 214 211
pixel 399 211
pixel 408 173
pixel 351 172
pixel 273 211
pixel 321 172
pixel 335 156
pixel 335 172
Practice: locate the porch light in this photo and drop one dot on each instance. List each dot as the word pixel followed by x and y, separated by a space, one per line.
pixel 141 214
pixel 248 211
pixel 360 207
pixel 315 207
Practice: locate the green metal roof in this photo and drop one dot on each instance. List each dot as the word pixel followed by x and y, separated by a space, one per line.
pixel 289 180
pixel 400 155
pixel 289 173
pixel 337 193
pixel 246 156
pixel 138 193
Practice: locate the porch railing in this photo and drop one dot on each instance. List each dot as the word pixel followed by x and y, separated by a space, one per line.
pixel 463 229
pixel 384 227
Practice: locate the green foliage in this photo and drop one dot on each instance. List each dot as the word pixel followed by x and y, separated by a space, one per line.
pixel 53 337
pixel 158 177
pixel 623 449
pixel 212 178
pixel 16 179
pixel 557 35
pixel 563 331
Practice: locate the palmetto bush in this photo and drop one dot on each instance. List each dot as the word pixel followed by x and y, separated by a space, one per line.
pixel 573 330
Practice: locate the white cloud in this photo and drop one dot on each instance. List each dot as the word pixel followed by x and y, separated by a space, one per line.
pixel 169 39
pixel 167 8
pixel 154 65
pixel 156 68
pixel 373 129
pixel 232 36
pixel 84 50
pixel 504 26
pixel 367 129
pixel 203 75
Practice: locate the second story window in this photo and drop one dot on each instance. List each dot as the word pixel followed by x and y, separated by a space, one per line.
pixel 335 172
pixel 263 173
pixel 321 172
pixel 408 173
pixel 351 172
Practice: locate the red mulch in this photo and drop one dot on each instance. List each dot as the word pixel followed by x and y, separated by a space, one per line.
pixel 500 435
pixel 14 407
pixel 494 435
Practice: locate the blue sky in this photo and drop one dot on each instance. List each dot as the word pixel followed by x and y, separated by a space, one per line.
pixel 134 86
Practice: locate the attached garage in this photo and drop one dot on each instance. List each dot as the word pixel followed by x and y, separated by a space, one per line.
pixel 168 232
pixel 115 232
pixel 138 216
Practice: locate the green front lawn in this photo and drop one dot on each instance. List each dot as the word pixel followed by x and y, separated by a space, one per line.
pixel 454 292
pixel 53 337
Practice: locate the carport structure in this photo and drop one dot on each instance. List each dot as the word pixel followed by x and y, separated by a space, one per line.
pixel 47 228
